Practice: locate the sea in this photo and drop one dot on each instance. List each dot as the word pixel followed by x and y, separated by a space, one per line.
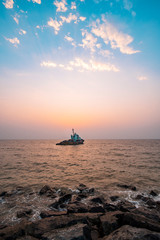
pixel 99 164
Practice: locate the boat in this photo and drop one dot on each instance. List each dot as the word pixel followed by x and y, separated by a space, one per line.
pixel 74 140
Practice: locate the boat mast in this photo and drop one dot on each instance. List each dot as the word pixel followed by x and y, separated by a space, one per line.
pixel 73 131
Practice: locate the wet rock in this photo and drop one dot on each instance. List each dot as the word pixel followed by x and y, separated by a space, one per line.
pixel 96 209
pixel 24 213
pixel 97 200
pixel 131 233
pixel 109 222
pixel 110 207
pixel 137 220
pixel 151 214
pixel 40 227
pixel 45 214
pixel 70 233
pixel 153 193
pixel 114 198
pixel 2 194
pixel 90 233
pixel 77 208
pixel 27 238
pixel 2 226
pixel 13 232
pixel 133 188
pixel 125 206
pixel 45 189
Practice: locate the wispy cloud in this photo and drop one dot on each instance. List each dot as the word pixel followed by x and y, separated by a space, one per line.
pixel 81 65
pixel 8 3
pixel 55 24
pixel 142 78
pixel 89 41
pixel 71 17
pixel 16 18
pixel 110 34
pixel 106 53
pixel 61 6
pixel 127 4
pixel 73 6
pixel 82 18
pixel 15 41
pixel 22 32
pixel 37 1
pixel 70 39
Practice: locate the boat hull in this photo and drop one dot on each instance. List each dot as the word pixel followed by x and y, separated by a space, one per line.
pixel 71 142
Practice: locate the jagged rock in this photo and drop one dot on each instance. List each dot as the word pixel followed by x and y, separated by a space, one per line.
pixel 2 194
pixel 90 233
pixel 13 232
pixel 114 198
pixel 27 238
pixel 137 220
pixel 153 193
pixel 45 189
pixel 69 233
pixel 45 214
pixel 77 208
pixel 133 188
pixel 24 213
pixel 96 209
pixel 110 222
pixel 97 200
pixel 131 233
pixel 40 227
pixel 110 207
pixel 125 206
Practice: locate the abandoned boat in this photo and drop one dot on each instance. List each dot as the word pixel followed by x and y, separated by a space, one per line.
pixel 75 140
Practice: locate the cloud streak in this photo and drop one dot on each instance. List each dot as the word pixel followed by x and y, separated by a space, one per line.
pixel 15 41
pixel 81 65
pixel 110 34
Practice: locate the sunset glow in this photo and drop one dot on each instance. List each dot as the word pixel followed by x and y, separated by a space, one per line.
pixel 89 65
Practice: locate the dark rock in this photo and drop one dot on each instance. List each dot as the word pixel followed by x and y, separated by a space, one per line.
pixel 110 207
pixel 2 194
pixel 114 198
pixel 125 206
pixel 140 221
pixel 61 202
pixel 24 213
pixel 40 227
pixel 77 208
pixel 69 233
pixel 97 200
pixel 110 222
pixel 13 232
pixel 65 198
pixel 133 188
pixel 82 195
pixel 45 214
pixel 96 209
pixel 153 193
pixel 2 226
pixel 27 238
pixel 151 214
pixel 45 189
pixel 91 190
pixel 90 233
pixel 131 233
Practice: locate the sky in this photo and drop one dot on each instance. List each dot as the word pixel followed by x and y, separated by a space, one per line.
pixel 91 65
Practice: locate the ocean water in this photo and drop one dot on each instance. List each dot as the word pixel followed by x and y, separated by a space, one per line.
pixel 99 163
pixel 25 166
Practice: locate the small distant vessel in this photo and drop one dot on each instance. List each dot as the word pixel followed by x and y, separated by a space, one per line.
pixel 75 140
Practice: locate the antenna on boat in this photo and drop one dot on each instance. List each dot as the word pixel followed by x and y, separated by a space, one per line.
pixel 73 130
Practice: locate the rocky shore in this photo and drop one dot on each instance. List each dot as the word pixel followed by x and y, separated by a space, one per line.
pixel 82 214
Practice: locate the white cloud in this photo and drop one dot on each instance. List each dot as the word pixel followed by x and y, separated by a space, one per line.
pixel 8 3
pixel 71 17
pixel 82 18
pixel 15 41
pixel 142 78
pixel 127 4
pixel 81 65
pixel 70 39
pixel 37 1
pixel 61 6
pixel 89 41
pixel 110 34
pixel 106 53
pixel 55 24
pixel 16 19
pixel 21 32
pixel 73 5
pixel 48 64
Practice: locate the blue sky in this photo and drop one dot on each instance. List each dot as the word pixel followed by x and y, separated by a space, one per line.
pixel 92 65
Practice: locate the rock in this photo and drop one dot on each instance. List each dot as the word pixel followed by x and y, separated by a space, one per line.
pixel 2 194
pixel 46 225
pixel 45 214
pixel 13 232
pixel 109 222
pixel 131 233
pixel 77 208
pixel 90 234
pixel 97 200
pixel 140 221
pixel 125 206
pixel 45 189
pixel 153 193
pixel 114 198
pixel 24 213
pixel 69 233
pixel 27 238
pixel 133 188
pixel 61 202
pixel 151 214
pixel 110 207
pixel 96 209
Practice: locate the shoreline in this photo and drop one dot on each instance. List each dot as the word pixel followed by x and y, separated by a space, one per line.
pixel 82 213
